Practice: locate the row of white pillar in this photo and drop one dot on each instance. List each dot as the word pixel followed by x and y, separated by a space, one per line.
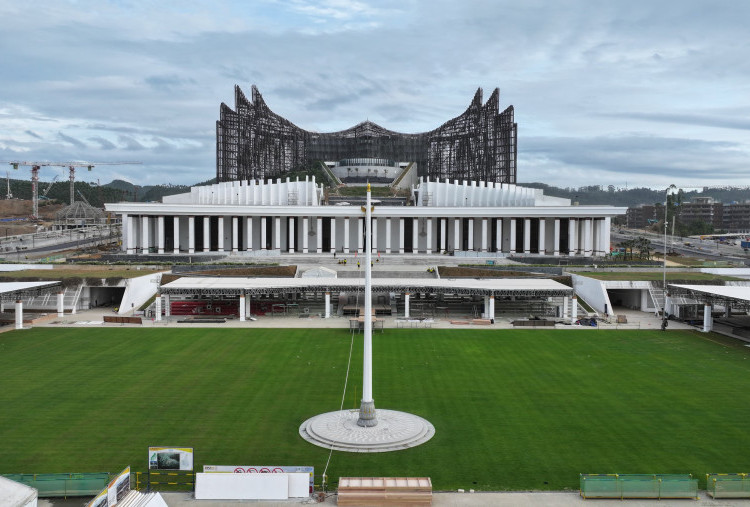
pixel 245 307
pixel 586 236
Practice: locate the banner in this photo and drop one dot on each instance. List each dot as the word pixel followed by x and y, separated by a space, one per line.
pixel 113 492
pixel 170 458
pixel 231 469
pixel 118 488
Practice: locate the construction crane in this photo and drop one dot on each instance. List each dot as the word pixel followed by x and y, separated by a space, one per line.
pixel 35 166
pixel 46 190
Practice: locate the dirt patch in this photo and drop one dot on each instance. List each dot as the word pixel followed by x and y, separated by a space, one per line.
pixel 19 208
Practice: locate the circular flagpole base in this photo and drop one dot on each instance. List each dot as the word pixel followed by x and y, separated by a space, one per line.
pixel 395 431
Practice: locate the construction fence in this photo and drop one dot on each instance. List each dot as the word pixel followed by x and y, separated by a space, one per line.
pixel 63 485
pixel 728 485
pixel 656 486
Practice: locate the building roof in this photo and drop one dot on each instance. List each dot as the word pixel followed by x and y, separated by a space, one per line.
pixel 468 286
pixel 733 293
pixel 14 290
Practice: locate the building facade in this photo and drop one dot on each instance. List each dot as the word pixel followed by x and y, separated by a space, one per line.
pixel 253 142
pixel 258 218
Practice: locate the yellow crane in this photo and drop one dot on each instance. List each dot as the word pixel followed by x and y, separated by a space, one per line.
pixel 35 166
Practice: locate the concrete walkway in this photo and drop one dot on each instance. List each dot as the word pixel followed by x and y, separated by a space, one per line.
pixel 95 318
pixel 501 499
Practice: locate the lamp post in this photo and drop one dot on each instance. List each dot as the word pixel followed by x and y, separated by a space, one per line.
pixel 664 281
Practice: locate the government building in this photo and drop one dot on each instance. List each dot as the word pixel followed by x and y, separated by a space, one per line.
pixel 451 190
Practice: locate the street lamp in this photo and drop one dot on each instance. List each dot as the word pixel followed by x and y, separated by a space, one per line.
pixel 664 281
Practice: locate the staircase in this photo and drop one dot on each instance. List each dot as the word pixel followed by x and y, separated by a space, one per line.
pixel 657 296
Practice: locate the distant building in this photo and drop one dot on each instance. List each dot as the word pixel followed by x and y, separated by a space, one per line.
pixel 733 217
pixel 736 217
pixel 704 209
pixel 640 217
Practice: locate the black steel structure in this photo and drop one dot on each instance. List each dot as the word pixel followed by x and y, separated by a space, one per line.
pixel 252 142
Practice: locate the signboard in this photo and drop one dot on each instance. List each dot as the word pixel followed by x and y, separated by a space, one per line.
pixel 113 492
pixel 170 458
pixel 231 469
pixel 118 487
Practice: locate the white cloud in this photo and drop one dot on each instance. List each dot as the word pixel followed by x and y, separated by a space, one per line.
pixel 591 82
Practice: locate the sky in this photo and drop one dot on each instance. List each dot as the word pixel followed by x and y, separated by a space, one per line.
pixel 625 93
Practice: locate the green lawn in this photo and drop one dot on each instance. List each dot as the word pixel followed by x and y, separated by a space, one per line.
pixel 512 409
pixel 655 275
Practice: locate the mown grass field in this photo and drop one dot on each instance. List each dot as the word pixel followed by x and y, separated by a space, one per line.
pixel 655 275
pixel 513 410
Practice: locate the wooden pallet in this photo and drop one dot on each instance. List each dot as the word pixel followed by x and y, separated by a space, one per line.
pixel 373 491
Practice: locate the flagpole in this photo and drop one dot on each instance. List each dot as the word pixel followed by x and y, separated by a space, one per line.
pixel 367 415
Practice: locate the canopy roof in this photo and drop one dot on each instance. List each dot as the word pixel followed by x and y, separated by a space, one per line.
pixel 14 290
pixel 470 286
pixel 737 294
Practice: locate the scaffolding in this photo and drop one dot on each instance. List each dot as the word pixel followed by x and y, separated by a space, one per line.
pixel 253 142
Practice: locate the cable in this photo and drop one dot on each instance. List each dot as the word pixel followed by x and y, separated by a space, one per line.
pixel 343 395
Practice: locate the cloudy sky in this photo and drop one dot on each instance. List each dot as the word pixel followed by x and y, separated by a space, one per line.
pixel 636 93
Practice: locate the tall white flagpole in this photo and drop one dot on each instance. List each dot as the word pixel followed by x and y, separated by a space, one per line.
pixel 367 408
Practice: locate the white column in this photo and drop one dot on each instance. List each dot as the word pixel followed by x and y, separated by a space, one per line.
pixel 587 237
pixel 513 226
pixel 146 239
pixel 401 223
pixel 277 233
pixel 191 234
pixel 443 234
pixel 248 306
pixel 206 234
pixel 374 227
pixel 333 234
pixel 167 306
pixel 406 305
pixel 346 235
pixel 556 240
pixel 221 234
pixel 573 310
pixel 457 234
pixel 606 229
pixel 249 233
pixel 526 235
pixel 415 236
pixel 19 314
pixel 290 234
pixel 157 313
pixel 305 235
pixel 360 235
pixel 484 234
pixel 328 305
pixel 235 234
pixel 708 320
pixel 492 308
pixel 667 304
pixel 243 308
pixel 499 234
pixel 572 238
pixel 263 232
pixel 471 235
pixel 542 236
pixel 60 302
pixel 130 233
pixel 565 307
pixel 176 234
pixel 160 233
pixel 429 235
pixel 388 235
pixel 319 235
